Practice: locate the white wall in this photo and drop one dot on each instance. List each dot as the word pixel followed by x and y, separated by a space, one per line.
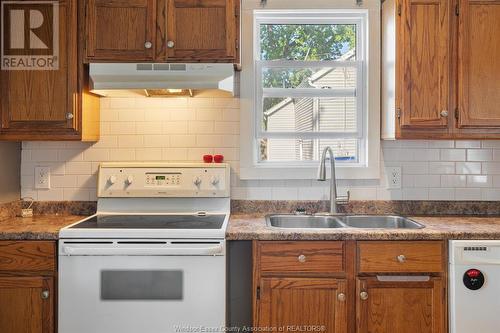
pixel 184 129
pixel 10 153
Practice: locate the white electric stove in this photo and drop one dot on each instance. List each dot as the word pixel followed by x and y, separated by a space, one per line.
pixel 152 259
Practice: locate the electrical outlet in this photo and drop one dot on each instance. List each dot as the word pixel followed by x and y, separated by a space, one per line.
pixel 42 178
pixel 393 177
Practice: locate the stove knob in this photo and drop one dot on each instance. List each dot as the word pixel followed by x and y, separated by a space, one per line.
pixel 197 181
pixel 214 180
pixel 112 180
pixel 130 180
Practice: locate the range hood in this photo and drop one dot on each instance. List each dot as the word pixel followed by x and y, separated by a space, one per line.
pixel 108 77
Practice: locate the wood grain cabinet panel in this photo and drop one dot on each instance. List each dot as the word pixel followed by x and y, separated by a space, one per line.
pixel 202 30
pixel 402 307
pixel 400 257
pixel 27 304
pixel 121 30
pixel 302 257
pixel 51 104
pixel 27 256
pixel 291 303
pixel 479 64
pixel 423 64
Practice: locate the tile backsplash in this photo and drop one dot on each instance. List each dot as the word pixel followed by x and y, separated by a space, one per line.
pixel 183 129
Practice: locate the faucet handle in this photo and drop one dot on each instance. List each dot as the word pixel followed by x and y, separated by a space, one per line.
pixel 343 199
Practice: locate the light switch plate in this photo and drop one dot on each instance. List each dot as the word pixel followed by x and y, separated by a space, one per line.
pixel 393 175
pixel 42 178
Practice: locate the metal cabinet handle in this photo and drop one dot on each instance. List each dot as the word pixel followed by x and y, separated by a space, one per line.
pixel 170 44
pixel 401 258
pixel 69 116
pixel 148 45
pixel 341 297
pixel 363 295
pixel 444 113
pixel 301 258
pixel 45 294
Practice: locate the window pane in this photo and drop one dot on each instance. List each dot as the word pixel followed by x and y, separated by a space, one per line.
pixel 280 150
pixel 309 78
pixel 307 41
pixel 336 114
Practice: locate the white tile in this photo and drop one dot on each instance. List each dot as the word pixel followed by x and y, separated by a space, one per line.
pixel 231 114
pixel 425 154
pixel 109 115
pixel 130 141
pixel 122 154
pixel 158 141
pixel 441 168
pixel 280 193
pixel 174 154
pixel 427 180
pixel 121 103
pixel 69 155
pixel 415 168
pixel 54 194
pixel 453 154
pixel 106 141
pixel 230 141
pixel 100 155
pixel 490 144
pixel 251 193
pixel 468 194
pixel 415 194
pixel 44 155
pixel 78 168
pixel 441 194
pixel 490 194
pixel 86 181
pixel 397 154
pixel 230 154
pixel 312 193
pixel 467 144
pixel 414 144
pixel 149 127
pixel 407 181
pixel 60 181
pixel 490 168
pixel 453 180
pixel 201 103
pixel 389 194
pixel 363 193
pixel 227 127
pixel 201 127
pixel 148 154
pixel 441 144
pixel 76 194
pixel 496 181
pixel 122 128
pixel 468 168
pixel 175 127
pixel 131 115
pixel 182 114
pixel 209 140
pixel 208 114
pixel 479 155
pixel 157 115
pixel 226 103
pixel 182 141
pixel 479 181
pixel 196 154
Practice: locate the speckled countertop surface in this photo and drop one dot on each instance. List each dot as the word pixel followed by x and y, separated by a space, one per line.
pixel 40 227
pixel 253 226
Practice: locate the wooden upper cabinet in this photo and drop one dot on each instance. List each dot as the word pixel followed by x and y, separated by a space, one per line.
pixel 27 304
pixel 300 302
pixel 50 104
pixel 401 306
pixel 121 29
pixel 423 64
pixel 479 63
pixel 202 30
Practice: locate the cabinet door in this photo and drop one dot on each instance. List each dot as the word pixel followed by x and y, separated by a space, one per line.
pixel 42 102
pixel 479 63
pixel 202 30
pixel 401 306
pixel 120 30
pixel 423 64
pixel 302 302
pixel 27 304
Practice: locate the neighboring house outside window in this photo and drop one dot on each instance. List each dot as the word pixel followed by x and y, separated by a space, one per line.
pixel 310 80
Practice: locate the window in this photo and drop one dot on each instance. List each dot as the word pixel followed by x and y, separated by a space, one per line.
pixel 309 86
pixel 310 75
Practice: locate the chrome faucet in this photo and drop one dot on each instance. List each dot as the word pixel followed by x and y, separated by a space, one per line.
pixel 334 199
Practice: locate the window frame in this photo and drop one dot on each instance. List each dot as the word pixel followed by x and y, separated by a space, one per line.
pixel 367 62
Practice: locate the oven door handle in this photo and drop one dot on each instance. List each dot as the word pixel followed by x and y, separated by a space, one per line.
pixel 142 251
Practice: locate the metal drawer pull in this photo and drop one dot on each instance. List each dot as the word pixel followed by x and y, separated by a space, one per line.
pixel 403 278
pixel 170 44
pixel 401 258
pixel 45 294
pixel 341 297
pixel 148 45
pixel 444 113
pixel 69 116
pixel 301 258
pixel 363 295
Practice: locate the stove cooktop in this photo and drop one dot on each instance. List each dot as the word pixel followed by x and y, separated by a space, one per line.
pixel 152 222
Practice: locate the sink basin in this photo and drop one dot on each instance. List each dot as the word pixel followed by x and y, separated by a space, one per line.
pixel 379 221
pixel 341 221
pixel 303 221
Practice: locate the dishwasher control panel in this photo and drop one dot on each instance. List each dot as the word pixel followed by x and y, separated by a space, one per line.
pixel 163 180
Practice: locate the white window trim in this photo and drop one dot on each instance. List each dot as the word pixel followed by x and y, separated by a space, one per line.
pixel 249 166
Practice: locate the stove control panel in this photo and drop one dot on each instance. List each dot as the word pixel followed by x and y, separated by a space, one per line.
pixel 163 180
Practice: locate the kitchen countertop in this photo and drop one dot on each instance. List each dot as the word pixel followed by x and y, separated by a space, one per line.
pixel 40 227
pixel 253 226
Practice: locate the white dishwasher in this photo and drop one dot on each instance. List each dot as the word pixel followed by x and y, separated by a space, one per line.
pixel 474 286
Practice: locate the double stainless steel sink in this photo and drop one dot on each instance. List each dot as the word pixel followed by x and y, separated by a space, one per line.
pixel 341 221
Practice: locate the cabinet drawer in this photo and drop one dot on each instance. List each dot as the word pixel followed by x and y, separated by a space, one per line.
pixel 302 257
pixel 395 257
pixel 27 256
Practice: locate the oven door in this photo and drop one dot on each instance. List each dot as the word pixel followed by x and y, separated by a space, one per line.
pixel 150 286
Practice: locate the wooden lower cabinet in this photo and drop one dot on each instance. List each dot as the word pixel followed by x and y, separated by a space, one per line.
pixel 401 306
pixel 27 286
pixel 351 286
pixel 292 304
pixel 27 304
